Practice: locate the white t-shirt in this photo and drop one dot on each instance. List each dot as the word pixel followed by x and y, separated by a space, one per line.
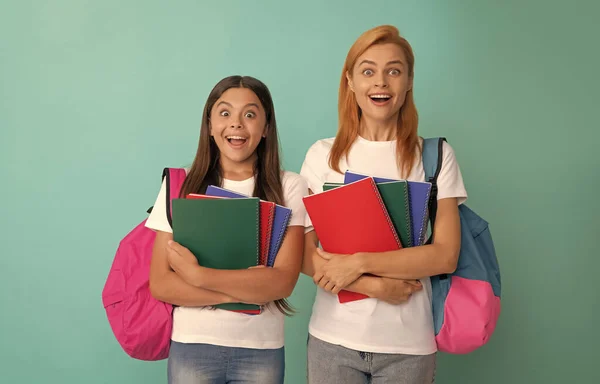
pixel 372 325
pixel 227 328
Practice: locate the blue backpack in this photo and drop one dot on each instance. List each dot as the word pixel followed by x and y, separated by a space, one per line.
pixel 466 303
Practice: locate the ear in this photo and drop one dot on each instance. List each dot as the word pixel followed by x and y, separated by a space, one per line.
pixel 349 79
pixel 410 84
pixel 264 135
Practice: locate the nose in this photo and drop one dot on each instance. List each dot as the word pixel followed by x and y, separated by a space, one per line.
pixel 381 81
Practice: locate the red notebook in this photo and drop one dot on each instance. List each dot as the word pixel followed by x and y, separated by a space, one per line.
pixel 352 218
pixel 267 211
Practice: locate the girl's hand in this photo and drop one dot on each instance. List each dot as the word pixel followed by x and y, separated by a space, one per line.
pixel 339 271
pixel 184 263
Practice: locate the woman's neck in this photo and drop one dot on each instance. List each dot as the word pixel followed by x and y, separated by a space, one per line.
pixel 377 130
pixel 237 171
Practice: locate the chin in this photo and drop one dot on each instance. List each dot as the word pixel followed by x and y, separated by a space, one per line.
pixel 237 157
pixel 381 116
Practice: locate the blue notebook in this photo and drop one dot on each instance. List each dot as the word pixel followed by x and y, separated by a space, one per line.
pixel 280 220
pixel 419 192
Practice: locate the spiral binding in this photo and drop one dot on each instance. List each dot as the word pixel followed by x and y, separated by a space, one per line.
pixel 423 230
pixel 282 234
pixel 258 232
pixel 270 227
pixel 387 216
pixel 407 212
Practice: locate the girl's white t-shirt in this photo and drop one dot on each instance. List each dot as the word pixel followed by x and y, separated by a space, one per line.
pixel 222 327
pixel 372 325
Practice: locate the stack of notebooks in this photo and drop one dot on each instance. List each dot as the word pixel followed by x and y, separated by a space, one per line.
pixel 228 230
pixel 369 214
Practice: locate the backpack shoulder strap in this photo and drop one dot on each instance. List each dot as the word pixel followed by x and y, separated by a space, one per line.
pixel 432 157
pixel 174 178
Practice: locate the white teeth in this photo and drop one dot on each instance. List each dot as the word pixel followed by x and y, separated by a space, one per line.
pixel 380 96
pixel 236 138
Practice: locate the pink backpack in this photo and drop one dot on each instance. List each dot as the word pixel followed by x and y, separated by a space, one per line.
pixel 141 324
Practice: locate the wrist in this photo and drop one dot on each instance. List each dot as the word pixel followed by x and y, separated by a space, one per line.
pixel 372 286
pixel 361 263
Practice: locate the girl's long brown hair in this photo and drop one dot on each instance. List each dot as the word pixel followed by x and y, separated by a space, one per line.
pixel 349 113
pixel 206 168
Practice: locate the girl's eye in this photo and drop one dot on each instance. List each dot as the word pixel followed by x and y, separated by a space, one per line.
pixel 394 72
pixel 367 72
pixel 224 113
pixel 250 115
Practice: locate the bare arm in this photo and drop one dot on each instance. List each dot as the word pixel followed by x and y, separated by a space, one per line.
pixel 257 285
pixel 409 263
pixel 167 286
pixel 367 285
pixel 340 271
pixel 428 260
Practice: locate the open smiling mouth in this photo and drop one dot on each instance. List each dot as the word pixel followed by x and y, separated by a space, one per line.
pixel 380 98
pixel 236 141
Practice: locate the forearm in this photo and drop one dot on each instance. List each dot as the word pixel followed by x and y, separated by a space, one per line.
pixel 410 263
pixel 170 288
pixel 311 262
pixel 256 285
pixel 367 285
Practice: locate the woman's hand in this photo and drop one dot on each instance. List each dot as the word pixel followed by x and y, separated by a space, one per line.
pixel 184 263
pixel 339 271
pixel 396 291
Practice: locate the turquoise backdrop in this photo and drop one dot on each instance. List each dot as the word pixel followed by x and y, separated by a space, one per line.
pixel 96 97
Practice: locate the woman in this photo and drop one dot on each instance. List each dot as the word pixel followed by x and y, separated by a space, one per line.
pixel 388 337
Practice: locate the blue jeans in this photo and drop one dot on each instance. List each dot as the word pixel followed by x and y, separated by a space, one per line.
pixel 334 364
pixel 206 363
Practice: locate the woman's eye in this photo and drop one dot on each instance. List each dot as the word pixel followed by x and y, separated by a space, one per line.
pixel 250 115
pixel 394 72
pixel 367 72
pixel 224 113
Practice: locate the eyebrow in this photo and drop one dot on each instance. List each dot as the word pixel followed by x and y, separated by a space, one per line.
pixel 245 106
pixel 388 63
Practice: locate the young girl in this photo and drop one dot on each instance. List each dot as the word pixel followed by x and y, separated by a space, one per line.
pixel 388 337
pixel 238 150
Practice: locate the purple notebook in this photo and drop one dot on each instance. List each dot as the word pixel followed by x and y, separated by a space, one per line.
pixel 419 192
pixel 280 220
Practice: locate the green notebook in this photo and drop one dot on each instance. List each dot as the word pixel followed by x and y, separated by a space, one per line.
pixel 221 233
pixel 396 200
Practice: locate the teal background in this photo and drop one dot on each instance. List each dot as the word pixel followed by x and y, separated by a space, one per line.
pixel 97 97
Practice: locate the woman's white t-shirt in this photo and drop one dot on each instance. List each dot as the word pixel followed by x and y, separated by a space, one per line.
pixel 222 327
pixel 372 325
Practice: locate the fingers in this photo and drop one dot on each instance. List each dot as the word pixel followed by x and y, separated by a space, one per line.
pixel 323 281
pixel 336 289
pixel 257 266
pixel 329 286
pixel 317 277
pixel 173 245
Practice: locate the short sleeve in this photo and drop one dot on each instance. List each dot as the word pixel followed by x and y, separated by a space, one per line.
pixel 313 170
pixel 294 189
pixel 158 217
pixel 450 180
pixel 312 167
